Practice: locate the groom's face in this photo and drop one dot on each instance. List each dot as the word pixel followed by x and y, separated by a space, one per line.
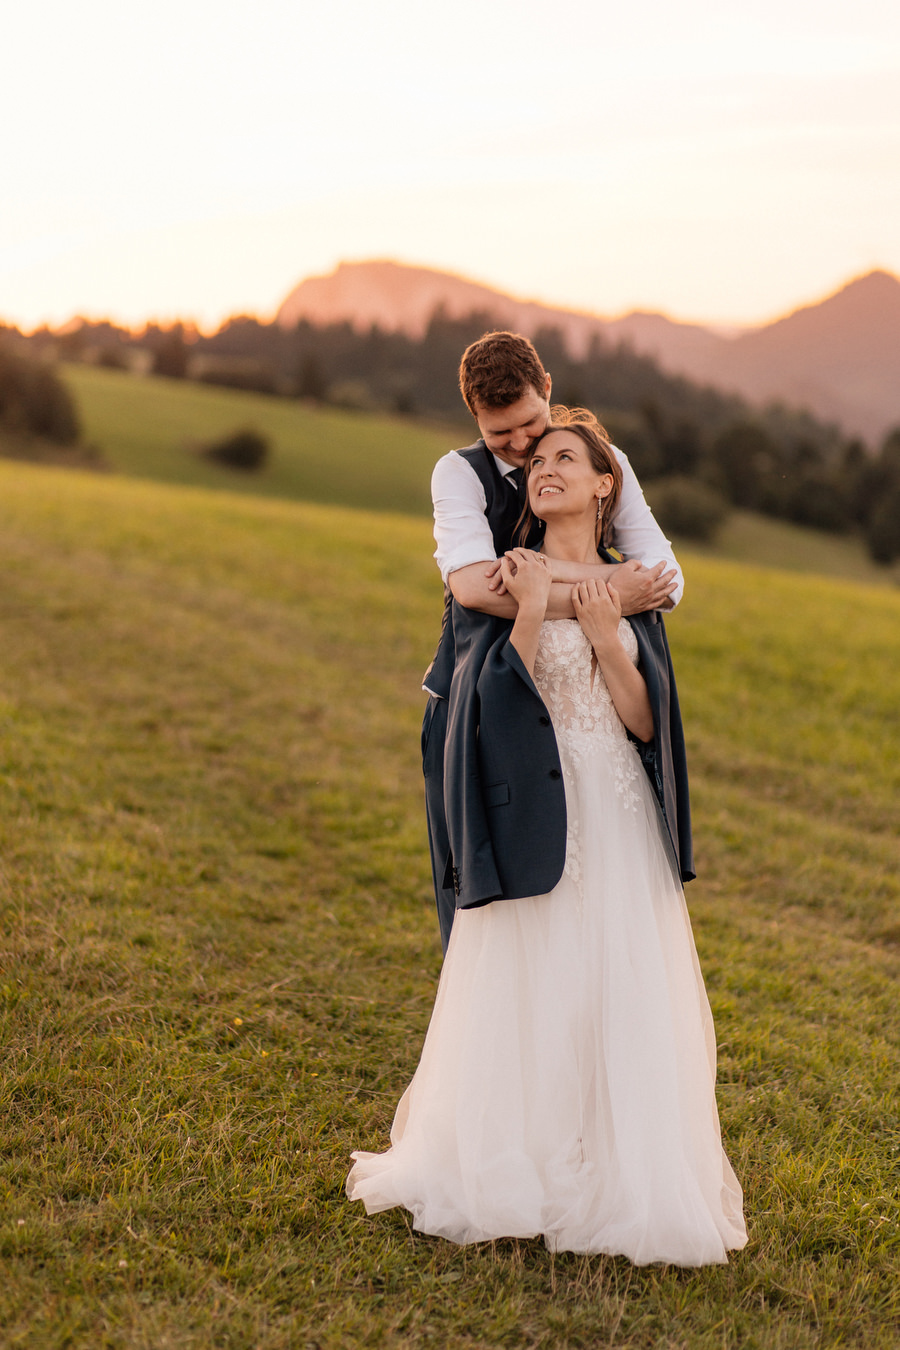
pixel 509 431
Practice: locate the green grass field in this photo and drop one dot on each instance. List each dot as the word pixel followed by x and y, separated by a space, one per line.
pixel 150 428
pixel 219 953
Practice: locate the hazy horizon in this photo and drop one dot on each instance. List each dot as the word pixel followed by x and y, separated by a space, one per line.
pixel 166 321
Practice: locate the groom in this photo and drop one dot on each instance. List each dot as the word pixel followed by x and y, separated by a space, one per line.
pixel 478 496
pixel 507 391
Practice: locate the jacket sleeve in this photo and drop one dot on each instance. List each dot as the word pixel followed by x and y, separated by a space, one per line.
pixel 503 785
pixel 470 865
pixel 664 759
pixel 521 776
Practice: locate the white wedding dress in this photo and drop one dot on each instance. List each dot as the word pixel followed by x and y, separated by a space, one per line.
pixel 567 1082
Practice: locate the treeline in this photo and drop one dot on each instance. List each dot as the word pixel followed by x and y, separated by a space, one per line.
pixel 700 450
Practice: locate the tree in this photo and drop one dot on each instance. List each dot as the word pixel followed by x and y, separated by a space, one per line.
pixel 631 434
pixel 745 455
pixel 311 381
pixel 882 527
pixel 682 447
pixel 172 354
pixel 883 530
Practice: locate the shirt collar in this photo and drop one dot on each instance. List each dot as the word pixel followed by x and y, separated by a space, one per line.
pixel 505 469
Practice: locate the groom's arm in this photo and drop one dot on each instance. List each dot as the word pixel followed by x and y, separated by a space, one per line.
pixel 639 587
pixel 467 560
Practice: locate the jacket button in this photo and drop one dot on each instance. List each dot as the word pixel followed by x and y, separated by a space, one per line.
pixel 544 720
pixel 555 773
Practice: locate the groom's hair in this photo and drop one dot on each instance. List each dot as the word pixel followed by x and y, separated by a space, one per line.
pixel 498 370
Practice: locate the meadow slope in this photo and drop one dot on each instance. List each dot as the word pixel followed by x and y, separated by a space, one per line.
pixel 219 952
pixel 151 428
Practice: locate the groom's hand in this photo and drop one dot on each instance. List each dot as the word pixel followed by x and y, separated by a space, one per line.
pixel 641 588
pixel 494 575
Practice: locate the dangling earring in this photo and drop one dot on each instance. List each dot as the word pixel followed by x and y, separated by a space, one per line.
pixel 599 507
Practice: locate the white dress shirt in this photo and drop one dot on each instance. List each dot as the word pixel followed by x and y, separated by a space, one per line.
pixel 463 534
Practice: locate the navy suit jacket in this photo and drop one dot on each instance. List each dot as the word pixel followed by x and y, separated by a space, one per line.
pixel 504 795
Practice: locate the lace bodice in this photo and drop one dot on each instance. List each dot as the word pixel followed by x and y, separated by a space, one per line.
pixel 584 717
pixel 573 687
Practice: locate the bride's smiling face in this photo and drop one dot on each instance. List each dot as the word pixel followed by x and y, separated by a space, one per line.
pixel 562 480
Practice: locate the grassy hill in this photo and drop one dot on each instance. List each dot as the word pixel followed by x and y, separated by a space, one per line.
pixel 150 428
pixel 219 953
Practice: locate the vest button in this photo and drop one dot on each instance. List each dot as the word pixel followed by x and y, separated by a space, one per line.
pixel 555 773
pixel 544 720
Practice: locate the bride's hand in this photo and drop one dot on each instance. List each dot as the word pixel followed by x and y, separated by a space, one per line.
pixel 598 609
pixel 527 577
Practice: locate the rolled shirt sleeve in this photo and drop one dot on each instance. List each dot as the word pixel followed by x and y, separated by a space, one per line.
pixel 461 528
pixel 635 531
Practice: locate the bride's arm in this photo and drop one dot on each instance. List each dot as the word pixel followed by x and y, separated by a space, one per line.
pixel 480 586
pixel 526 575
pixel 598 610
pixel 475 587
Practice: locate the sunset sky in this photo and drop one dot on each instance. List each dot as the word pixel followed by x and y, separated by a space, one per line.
pixel 717 162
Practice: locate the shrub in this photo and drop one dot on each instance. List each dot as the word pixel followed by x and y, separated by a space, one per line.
pixel 35 402
pixel 245 449
pixel 687 507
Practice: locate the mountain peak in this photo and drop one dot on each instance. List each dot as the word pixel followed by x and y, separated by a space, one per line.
pixel 860 309
pixel 393 295
pixel 840 357
pixel 876 280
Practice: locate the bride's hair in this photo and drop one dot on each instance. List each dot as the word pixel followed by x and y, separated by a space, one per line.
pixel 586 427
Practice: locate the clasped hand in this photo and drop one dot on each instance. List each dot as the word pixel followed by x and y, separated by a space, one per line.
pixel 598 609
pixel 527 577
pixel 640 588
pixel 597 604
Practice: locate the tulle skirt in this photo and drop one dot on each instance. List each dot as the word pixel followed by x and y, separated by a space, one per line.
pixel 566 1087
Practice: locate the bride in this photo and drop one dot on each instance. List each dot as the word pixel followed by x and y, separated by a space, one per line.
pixel 566 1087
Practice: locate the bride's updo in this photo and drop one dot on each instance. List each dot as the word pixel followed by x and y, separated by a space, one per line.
pixel 586 427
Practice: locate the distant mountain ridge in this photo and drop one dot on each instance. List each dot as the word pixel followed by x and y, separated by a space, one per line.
pixel 839 357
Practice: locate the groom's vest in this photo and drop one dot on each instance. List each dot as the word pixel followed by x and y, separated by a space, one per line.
pixel 504 502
